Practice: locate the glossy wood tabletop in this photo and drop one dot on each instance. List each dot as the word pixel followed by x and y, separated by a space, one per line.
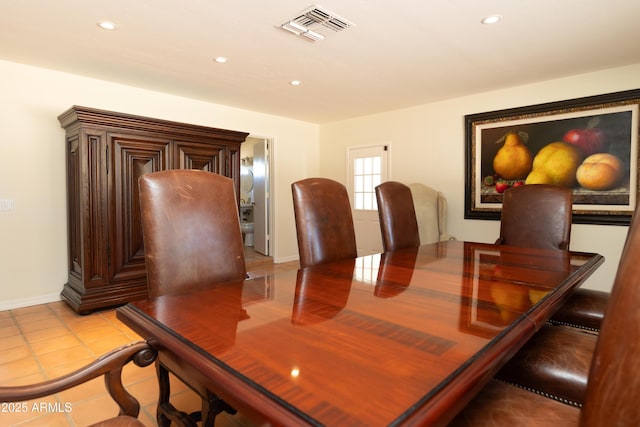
pixel 402 338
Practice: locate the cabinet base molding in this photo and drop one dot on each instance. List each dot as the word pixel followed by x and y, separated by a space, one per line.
pixel 85 301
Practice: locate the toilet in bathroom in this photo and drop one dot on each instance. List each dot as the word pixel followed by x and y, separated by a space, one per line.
pixel 246 223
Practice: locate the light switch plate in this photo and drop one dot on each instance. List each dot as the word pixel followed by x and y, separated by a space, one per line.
pixel 6 205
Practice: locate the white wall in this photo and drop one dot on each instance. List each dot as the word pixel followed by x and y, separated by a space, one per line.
pixel 33 261
pixel 33 253
pixel 427 145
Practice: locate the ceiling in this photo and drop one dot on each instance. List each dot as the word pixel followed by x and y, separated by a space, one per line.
pixel 394 56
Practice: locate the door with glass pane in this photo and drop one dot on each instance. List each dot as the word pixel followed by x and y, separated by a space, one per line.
pixel 367 167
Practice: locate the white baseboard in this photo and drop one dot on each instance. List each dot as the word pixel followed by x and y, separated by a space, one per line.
pixel 27 302
pixel 286 259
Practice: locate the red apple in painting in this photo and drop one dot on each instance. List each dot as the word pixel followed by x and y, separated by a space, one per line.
pixel 590 140
pixel 501 186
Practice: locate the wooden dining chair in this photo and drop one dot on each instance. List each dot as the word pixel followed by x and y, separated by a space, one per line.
pixel 108 366
pixel 324 222
pixel 192 238
pixel 540 216
pixel 397 214
pixel 613 386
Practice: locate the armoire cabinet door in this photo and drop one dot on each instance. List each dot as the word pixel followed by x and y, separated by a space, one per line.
pixel 87 215
pixel 206 157
pixel 132 157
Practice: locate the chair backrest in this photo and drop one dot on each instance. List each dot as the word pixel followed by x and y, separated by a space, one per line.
pixel 191 230
pixel 536 216
pixel 613 386
pixel 431 213
pixel 397 214
pixel 324 223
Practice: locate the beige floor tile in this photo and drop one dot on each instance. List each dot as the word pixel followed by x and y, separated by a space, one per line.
pixel 12 354
pixel 36 310
pixel 54 344
pixel 46 334
pixel 66 356
pixel 108 343
pixel 17 413
pixel 13 341
pixel 93 410
pixel 49 420
pixel 83 323
pixel 32 314
pixel 133 373
pixel 19 368
pixel 7 321
pixel 9 331
pixel 28 324
pixel 146 391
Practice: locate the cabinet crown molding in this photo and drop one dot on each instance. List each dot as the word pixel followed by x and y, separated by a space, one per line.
pixel 79 115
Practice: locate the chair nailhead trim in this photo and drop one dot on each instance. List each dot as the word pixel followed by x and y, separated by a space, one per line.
pixel 545 394
pixel 587 328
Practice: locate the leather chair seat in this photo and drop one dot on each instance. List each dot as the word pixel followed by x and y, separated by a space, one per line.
pixel 554 363
pixel 584 309
pixel 516 408
pixel 121 421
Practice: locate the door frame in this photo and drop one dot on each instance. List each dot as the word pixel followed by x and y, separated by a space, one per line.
pixel 366 223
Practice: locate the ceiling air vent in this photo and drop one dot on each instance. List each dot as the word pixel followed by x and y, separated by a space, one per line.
pixel 313 23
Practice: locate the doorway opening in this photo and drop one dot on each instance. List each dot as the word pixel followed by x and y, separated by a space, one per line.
pixel 256 205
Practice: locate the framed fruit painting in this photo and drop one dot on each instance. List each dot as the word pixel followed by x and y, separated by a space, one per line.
pixel 587 144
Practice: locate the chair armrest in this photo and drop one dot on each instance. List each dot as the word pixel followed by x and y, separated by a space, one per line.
pixel 110 365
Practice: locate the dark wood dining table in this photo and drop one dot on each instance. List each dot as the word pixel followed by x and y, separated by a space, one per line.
pixel 406 337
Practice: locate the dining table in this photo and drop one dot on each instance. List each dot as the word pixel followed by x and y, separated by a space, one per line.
pixel 401 338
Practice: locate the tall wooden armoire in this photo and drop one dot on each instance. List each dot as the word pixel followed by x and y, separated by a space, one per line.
pixel 106 153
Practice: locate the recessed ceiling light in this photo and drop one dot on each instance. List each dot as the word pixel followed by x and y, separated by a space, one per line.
pixel 295 82
pixel 491 19
pixel 221 59
pixel 107 25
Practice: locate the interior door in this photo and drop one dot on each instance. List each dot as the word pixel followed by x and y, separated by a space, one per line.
pixel 367 167
pixel 261 197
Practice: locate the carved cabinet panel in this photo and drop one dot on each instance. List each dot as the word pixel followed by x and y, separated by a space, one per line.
pixel 106 154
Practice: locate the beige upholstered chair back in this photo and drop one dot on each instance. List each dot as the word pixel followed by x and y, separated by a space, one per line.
pixel 431 213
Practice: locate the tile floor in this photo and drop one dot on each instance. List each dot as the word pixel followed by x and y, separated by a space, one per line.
pixel 50 340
